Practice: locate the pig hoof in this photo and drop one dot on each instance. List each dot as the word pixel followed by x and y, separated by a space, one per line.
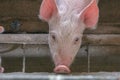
pixel 1 69
pixel 62 69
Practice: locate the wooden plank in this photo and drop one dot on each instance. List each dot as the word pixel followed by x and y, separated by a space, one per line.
pixel 31 8
pixel 105 28
pixel 24 38
pixel 37 26
pixel 19 7
pixel 109 11
pixel 113 39
pixel 26 24
pixel 29 22
pixel 105 39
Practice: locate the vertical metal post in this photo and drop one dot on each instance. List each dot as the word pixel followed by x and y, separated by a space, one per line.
pixel 0 61
pixel 23 68
pixel 88 58
pixel 24 58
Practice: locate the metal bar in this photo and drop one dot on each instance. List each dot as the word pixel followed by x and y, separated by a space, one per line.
pixel 40 76
pixel 23 68
pixel 88 57
pixel 24 59
pixel 0 61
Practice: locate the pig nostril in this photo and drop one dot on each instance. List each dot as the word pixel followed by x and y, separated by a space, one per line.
pixel 58 70
pixel 53 37
pixel 77 39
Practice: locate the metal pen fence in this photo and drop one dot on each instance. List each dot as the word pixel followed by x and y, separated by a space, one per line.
pixel 27 57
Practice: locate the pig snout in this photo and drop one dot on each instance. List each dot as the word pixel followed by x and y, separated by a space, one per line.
pixel 62 69
pixel 62 63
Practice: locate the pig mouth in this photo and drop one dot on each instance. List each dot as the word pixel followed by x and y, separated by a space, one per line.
pixel 62 69
pixel 62 64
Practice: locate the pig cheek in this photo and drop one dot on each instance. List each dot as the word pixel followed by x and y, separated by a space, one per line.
pixel 66 57
pixel 76 48
pixel 51 43
pixel 53 47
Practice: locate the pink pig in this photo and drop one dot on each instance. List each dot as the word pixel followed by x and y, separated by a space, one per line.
pixel 67 21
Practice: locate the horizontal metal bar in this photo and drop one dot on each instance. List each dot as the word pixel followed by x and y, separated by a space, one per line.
pixel 40 76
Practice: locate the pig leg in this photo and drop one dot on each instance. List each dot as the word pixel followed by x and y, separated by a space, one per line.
pixel 1 29
pixel 1 69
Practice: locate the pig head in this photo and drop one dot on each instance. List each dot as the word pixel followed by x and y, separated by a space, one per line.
pixel 67 21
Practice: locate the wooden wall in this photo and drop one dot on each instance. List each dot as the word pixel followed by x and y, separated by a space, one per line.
pixel 25 12
pixel 100 46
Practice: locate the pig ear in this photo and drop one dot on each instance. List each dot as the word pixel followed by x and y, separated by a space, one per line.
pixel 48 7
pixel 90 14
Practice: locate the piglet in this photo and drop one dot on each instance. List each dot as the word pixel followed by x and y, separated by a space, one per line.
pixel 67 21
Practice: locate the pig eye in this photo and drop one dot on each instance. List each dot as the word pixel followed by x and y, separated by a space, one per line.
pixel 76 40
pixel 53 37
